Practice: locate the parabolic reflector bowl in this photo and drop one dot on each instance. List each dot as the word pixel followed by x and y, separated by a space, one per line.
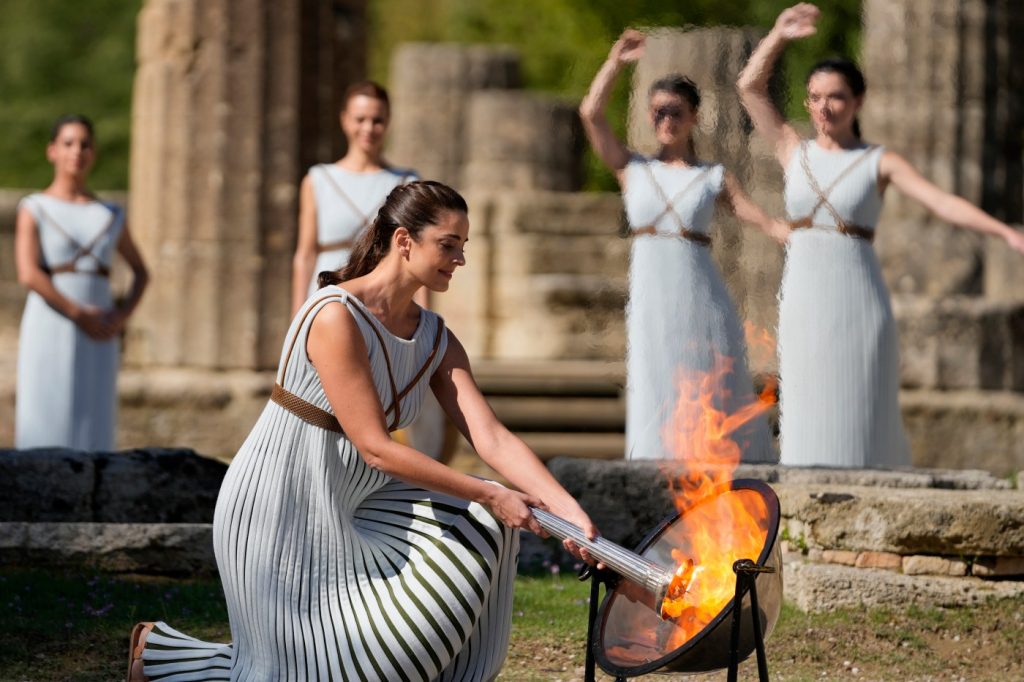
pixel 632 639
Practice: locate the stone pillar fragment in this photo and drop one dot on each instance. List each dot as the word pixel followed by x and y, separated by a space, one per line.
pixel 713 57
pixel 431 85
pixel 944 91
pixel 519 140
pixel 216 142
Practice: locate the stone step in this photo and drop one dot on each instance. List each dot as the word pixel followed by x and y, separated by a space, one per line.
pixel 530 413
pixel 960 343
pixel 550 377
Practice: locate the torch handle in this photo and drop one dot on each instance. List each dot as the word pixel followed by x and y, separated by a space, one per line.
pixel 630 565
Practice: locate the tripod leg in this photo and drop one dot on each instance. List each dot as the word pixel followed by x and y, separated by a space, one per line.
pixel 762 658
pixel 734 641
pixel 590 672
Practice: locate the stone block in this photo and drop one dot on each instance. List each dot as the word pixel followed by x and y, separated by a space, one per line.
pixel 816 587
pixel 884 560
pixel 179 548
pixel 998 567
pixel 154 485
pixel 1004 274
pixel 561 213
pixel 520 140
pixel 965 429
pixel 933 565
pixel 960 343
pixel 908 521
pixel 839 556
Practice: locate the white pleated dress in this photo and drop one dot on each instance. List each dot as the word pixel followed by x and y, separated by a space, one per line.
pixel 346 204
pixel 335 571
pixel 67 381
pixel 838 348
pixel 680 319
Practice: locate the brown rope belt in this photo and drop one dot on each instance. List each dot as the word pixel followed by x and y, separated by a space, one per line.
pixel 334 246
pixel 100 271
pixel 307 412
pixel 855 231
pixel 691 235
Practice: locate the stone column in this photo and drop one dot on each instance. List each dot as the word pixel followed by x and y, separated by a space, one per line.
pixel 217 141
pixel 430 87
pixel 945 91
pixel 713 58
pixel 519 140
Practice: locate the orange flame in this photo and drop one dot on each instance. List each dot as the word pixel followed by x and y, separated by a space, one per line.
pixel 704 439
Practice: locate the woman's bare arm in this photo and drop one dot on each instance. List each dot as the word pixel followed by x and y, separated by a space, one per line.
pixel 794 23
pixel 304 260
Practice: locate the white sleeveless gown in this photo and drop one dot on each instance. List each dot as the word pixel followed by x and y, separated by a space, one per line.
pixel 335 571
pixel 679 316
pixel 67 381
pixel 838 349
pixel 346 205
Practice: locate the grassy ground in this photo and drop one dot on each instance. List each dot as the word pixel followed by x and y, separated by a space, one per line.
pixel 74 626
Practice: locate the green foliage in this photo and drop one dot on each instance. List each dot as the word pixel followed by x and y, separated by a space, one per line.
pixel 65 57
pixel 564 42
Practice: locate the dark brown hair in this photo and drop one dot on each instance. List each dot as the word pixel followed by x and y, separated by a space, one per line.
pixel 850 72
pixel 368 89
pixel 683 88
pixel 414 206
pixel 68 119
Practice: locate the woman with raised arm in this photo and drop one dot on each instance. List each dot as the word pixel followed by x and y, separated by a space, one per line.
pixel 680 319
pixel 343 553
pixel 69 349
pixel 838 351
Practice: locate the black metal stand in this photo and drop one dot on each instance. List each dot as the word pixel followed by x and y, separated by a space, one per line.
pixel 596 578
pixel 746 580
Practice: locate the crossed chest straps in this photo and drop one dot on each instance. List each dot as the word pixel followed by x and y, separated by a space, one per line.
pixel 81 250
pixel 312 414
pixel 842 226
pixel 670 209
pixel 365 220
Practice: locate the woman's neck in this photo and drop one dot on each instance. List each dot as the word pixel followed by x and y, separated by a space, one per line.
pixel 838 141
pixel 678 155
pixel 68 188
pixel 388 292
pixel 358 161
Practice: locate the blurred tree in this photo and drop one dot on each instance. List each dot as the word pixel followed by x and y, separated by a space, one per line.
pixel 65 57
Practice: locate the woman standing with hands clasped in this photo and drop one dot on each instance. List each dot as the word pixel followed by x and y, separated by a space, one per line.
pixel 343 553
pixel 838 351
pixel 679 314
pixel 68 350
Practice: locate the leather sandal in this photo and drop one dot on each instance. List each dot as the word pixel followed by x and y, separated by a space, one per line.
pixel 136 647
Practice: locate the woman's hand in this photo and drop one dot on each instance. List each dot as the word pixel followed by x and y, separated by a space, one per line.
pixel 98 324
pixel 797 22
pixel 629 47
pixel 575 515
pixel 512 508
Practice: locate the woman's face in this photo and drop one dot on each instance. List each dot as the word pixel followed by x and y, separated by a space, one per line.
pixel 364 122
pixel 440 249
pixel 72 151
pixel 831 103
pixel 672 117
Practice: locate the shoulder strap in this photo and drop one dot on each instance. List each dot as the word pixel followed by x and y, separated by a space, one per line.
pixel 282 370
pixel 823 195
pixel 346 198
pixel 670 204
pixel 387 362
pixel 81 250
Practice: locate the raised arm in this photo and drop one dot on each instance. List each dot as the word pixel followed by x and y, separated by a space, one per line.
pixel 339 354
pixel 735 200
pixel 609 148
pixel 794 23
pixel 304 260
pixel 949 208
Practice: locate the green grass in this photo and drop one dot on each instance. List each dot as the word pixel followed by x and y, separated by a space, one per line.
pixel 75 625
